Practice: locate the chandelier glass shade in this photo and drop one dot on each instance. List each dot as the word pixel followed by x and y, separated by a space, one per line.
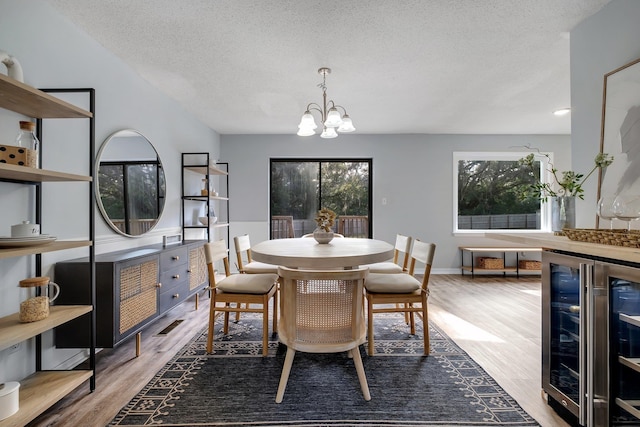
pixel 333 121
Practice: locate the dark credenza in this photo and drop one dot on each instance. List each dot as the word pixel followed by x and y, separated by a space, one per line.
pixel 134 288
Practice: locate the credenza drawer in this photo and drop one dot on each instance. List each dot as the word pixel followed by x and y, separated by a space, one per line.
pixel 174 296
pixel 173 277
pixel 172 258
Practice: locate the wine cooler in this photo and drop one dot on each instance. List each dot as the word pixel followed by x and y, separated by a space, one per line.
pixel 591 339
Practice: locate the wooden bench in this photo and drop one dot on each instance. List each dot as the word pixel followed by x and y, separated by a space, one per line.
pixel 473 268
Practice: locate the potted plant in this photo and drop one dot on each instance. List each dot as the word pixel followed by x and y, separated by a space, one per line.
pixel 325 219
pixel 562 190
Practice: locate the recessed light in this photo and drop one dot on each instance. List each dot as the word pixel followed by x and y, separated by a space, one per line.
pixel 562 111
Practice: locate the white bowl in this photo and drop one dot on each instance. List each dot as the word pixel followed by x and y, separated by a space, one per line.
pixel 205 220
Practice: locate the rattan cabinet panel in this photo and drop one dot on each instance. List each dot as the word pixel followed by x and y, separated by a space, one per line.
pixel 138 295
pixel 197 268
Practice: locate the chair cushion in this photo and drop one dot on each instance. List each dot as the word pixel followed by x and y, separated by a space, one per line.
pixel 248 283
pixel 254 267
pixel 384 267
pixel 391 283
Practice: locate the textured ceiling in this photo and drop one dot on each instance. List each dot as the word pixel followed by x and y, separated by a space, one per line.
pixel 410 66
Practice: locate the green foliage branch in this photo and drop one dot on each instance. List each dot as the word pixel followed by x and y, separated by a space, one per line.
pixel 565 183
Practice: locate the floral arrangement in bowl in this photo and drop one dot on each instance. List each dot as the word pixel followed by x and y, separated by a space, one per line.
pixel 326 219
pixel 566 183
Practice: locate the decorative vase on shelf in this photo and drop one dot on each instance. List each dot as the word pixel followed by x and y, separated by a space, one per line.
pixel 322 236
pixel 563 213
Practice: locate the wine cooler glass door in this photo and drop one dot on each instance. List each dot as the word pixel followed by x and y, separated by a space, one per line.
pixel 565 330
pixel 624 373
pixel 563 335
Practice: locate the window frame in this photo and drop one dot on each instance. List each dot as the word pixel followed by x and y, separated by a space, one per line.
pixel 545 176
pixel 321 160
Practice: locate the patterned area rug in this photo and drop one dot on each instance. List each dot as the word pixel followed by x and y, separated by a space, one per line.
pixel 236 386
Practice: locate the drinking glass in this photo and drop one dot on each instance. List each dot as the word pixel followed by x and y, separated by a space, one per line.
pixel 627 208
pixel 605 209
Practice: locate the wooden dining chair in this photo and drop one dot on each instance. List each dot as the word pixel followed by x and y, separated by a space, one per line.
pixel 253 290
pixel 282 227
pixel 245 263
pixel 322 313
pixel 400 258
pixel 353 226
pixel 402 293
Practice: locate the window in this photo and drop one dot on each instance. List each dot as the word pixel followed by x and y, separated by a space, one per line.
pixel 132 194
pixel 487 193
pixel 301 187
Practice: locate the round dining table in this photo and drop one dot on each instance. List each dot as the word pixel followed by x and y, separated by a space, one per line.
pixel 308 254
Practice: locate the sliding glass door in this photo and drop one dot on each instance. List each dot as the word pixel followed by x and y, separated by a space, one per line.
pixel 301 187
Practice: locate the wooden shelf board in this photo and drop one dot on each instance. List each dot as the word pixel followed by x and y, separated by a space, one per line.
pixel 24 99
pixel 476 269
pixel 630 362
pixel 216 225
pixel 41 390
pixel 12 331
pixel 38 249
pixel 204 198
pixel 498 249
pixel 633 320
pixel 631 406
pixel 23 173
pixel 203 169
pixel 219 225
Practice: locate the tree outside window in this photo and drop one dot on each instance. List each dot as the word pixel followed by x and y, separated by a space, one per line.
pixel 489 188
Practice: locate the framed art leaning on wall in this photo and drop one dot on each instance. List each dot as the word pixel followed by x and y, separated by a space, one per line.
pixel 620 134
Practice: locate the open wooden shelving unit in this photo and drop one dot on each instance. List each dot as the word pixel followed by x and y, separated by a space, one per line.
pixel 200 164
pixel 43 388
pixel 473 268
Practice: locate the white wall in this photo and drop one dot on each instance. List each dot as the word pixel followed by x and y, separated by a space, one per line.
pixel 600 44
pixel 55 54
pixel 413 172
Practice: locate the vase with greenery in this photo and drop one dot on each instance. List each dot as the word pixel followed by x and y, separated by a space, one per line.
pixel 325 220
pixel 563 190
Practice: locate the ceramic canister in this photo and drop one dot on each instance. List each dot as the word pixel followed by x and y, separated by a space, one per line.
pixel 26 229
pixel 9 402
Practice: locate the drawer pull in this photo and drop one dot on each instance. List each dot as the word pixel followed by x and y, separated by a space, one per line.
pixel 175 257
pixel 159 285
pixel 176 276
pixel 176 295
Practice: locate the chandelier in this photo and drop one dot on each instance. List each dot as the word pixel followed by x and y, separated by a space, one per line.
pixel 332 120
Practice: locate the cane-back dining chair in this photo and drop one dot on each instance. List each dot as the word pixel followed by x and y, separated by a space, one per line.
pixel 282 227
pixel 353 226
pixel 322 313
pixel 400 258
pixel 402 293
pixel 253 290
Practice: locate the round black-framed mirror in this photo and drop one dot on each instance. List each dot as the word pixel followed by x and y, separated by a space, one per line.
pixel 130 183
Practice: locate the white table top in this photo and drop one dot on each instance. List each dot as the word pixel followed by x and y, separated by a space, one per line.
pixel 307 253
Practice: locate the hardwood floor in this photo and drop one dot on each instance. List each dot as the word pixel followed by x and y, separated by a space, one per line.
pixel 497 321
pixel 494 319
